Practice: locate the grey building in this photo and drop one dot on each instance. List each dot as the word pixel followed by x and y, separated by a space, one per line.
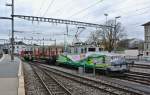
pixel 147 39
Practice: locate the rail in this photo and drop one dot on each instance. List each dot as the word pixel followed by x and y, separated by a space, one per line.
pixel 93 83
pixel 50 83
pixel 138 77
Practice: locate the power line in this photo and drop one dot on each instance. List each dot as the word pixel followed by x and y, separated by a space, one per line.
pixel 134 13
pixel 86 8
pixel 38 12
pixel 131 6
pixel 49 6
pixel 137 14
pixel 137 10
pixel 66 4
pixel 128 12
pixel 58 11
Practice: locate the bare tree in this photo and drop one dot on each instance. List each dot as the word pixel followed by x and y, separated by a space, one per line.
pixel 109 36
pixel 94 37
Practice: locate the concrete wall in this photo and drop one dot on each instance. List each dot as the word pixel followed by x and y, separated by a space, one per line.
pixel 131 52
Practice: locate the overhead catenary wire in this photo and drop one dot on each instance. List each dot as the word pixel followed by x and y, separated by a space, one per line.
pixel 86 8
pixel 124 8
pixel 127 13
pixel 121 9
pixel 137 14
pixel 39 11
pixel 134 13
pixel 48 8
pixel 62 7
pixel 90 6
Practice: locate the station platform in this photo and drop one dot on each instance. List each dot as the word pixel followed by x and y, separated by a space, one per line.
pixel 11 76
pixel 142 62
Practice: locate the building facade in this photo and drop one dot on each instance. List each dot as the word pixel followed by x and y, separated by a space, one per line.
pixel 147 39
pixel 18 47
pixel 79 48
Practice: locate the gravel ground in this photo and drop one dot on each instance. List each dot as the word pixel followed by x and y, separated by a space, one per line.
pixel 72 86
pixel 143 62
pixel 140 70
pixel 77 88
pixel 32 84
pixel 122 83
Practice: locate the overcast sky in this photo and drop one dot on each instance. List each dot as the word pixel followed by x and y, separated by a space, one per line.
pixel 133 14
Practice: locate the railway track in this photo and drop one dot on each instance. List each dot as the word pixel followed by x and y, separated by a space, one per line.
pixel 51 84
pixel 109 88
pixel 138 77
pixel 143 66
pixel 33 85
pixel 76 88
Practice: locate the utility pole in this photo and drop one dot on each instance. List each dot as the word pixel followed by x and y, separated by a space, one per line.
pixel 12 26
pixel 43 47
pixel 65 39
pixel 55 42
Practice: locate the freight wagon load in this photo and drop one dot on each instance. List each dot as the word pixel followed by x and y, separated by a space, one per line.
pixel 101 61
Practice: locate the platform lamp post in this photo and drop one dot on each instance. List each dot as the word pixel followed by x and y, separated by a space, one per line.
pixel 115 29
pixel 106 15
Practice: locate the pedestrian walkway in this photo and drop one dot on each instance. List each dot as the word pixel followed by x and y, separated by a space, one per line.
pixel 10 74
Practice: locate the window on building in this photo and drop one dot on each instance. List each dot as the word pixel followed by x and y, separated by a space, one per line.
pixel 85 50
pixel 76 50
pixel 147 53
pixel 147 46
pixel 91 49
pixel 100 49
pixel 82 50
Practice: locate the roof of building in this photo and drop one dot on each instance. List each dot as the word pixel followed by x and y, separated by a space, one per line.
pixel 148 23
pixel 57 46
pixel 20 43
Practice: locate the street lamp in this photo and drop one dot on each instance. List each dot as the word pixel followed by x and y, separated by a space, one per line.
pixel 115 39
pixel 116 20
pixel 106 17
